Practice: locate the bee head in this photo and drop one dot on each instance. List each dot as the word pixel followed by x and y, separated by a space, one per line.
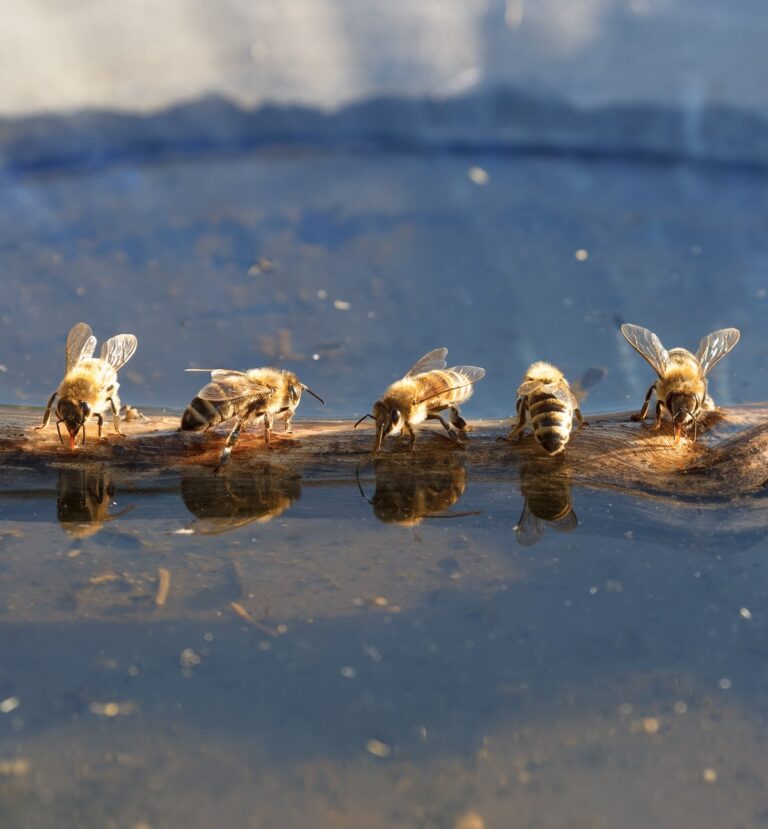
pixel 294 393
pixel 73 413
pixel 683 407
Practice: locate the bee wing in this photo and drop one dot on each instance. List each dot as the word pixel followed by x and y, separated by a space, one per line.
pixel 231 385
pixel 429 362
pixel 80 344
pixel 471 373
pixel 118 350
pixel 564 393
pixel 714 347
pixel 566 524
pixel 647 344
pixel 529 529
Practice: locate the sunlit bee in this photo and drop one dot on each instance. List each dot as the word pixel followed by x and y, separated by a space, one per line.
pixel 426 390
pixel 89 387
pixel 682 385
pixel 258 394
pixel 546 395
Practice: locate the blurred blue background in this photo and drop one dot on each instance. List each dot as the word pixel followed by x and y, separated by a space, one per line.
pixel 338 187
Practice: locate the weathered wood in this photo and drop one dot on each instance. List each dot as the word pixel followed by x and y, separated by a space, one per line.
pixel 730 456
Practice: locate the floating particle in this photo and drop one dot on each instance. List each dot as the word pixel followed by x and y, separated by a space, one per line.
pixel 651 725
pixel 315 357
pixel 321 294
pixel 625 709
pixel 725 683
pixel 380 601
pixel 479 176
pixel 709 775
pixel 469 820
pixel 14 768
pixel 377 748
pixel 163 586
pixel 581 255
pixel 745 613
pixel 189 659
pixel 341 305
pixel 348 672
pixel 9 704
pixel 681 707
pixel 184 531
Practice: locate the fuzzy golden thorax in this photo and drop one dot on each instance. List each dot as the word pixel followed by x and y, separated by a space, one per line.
pixel 682 389
pixel 543 373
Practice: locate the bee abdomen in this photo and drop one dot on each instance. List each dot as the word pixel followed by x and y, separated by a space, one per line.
pixel 552 419
pixel 202 414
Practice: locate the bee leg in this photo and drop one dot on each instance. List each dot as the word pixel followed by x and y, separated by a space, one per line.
pixel 657 423
pixel 100 421
pixel 412 437
pixel 579 417
pixel 517 429
pixel 448 428
pixel 267 428
pixel 287 424
pixel 457 420
pixel 58 429
pixel 47 415
pixel 646 404
pixel 230 442
pixel 115 415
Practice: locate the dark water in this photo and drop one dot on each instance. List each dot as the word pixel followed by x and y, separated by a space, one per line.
pixel 419 656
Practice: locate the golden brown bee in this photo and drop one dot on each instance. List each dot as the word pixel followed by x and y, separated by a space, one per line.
pixel 261 393
pixel 545 393
pixel 547 503
pixel 90 383
pixel 425 391
pixel 224 502
pixel 83 500
pixel 682 385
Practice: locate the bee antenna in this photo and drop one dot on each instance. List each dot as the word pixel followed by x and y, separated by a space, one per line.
pixel 362 419
pixel 317 396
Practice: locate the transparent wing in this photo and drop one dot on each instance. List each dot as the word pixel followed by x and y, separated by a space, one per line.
pixel 80 344
pixel 529 529
pixel 470 373
pixel 566 524
pixel 231 385
pixel 647 344
pixel 429 362
pixel 714 347
pixel 118 350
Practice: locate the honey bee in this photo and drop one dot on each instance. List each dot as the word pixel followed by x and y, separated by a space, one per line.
pixel 90 383
pixel 84 497
pixel 682 385
pixel 425 391
pixel 259 393
pixel 545 393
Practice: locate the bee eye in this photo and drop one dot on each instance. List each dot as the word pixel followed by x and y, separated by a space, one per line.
pixel 293 392
pixel 85 407
pixel 395 419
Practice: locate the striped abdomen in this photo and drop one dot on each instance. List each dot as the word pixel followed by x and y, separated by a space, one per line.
pixel 552 418
pixel 203 414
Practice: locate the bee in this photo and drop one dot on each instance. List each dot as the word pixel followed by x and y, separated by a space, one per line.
pixel 90 383
pixel 84 497
pixel 260 393
pixel 545 393
pixel 425 391
pixel 682 385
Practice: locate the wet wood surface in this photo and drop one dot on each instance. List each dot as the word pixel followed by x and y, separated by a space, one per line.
pixel 729 457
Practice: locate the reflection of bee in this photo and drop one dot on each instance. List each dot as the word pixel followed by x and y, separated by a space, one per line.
pixel 547 502
pixel 406 495
pixel 545 393
pixel 90 384
pixel 258 393
pixel 83 501
pixel 427 389
pixel 224 502
pixel 682 385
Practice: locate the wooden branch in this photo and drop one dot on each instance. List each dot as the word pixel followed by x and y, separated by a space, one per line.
pixel 729 457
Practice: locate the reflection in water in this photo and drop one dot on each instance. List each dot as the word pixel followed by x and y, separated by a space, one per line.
pixel 83 500
pixel 424 487
pixel 547 500
pixel 224 501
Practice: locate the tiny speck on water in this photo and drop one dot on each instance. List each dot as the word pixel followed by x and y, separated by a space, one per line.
pixel 479 176
pixel 348 672
pixel 725 683
pixel 651 725
pixel 709 775
pixel 9 704
pixel 189 659
pixel 581 255
pixel 377 748
pixel 681 707
pixel 342 305
pixel 745 613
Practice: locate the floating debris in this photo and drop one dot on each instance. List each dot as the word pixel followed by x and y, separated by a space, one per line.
pixel 341 305
pixel 725 683
pixel 112 709
pixel 479 176
pixel 246 616
pixel 9 704
pixel 14 768
pixel 709 775
pixel 377 748
pixel 189 659
pixel 745 613
pixel 581 255
pixel 348 672
pixel 163 586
